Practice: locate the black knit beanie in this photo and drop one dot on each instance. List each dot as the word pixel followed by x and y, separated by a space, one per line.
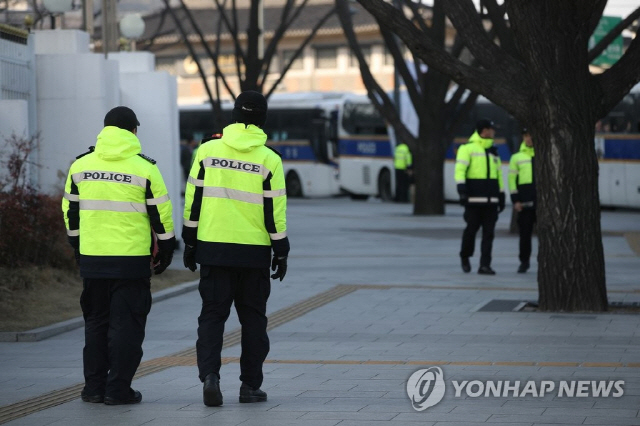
pixel 250 108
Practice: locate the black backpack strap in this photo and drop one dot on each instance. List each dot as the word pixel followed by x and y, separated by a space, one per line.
pixel 149 159
pixel 274 150
pixel 91 149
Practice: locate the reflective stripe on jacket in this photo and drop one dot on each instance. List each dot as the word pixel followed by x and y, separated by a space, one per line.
pixel 113 199
pixel 235 200
pixel 402 157
pixel 521 177
pixel 478 167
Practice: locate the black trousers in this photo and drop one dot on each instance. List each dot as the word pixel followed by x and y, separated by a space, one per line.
pixel 115 314
pixel 476 216
pixel 402 186
pixel 249 289
pixel 526 220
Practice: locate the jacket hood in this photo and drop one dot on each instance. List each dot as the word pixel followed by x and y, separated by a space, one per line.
pixel 527 149
pixel 243 138
pixel 115 144
pixel 484 142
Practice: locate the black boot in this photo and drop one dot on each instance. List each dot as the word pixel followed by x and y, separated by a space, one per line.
pixel 92 398
pixel 466 266
pixel 248 394
pixel 524 267
pixel 134 398
pixel 486 270
pixel 211 391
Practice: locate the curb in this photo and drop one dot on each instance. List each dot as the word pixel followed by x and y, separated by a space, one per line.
pixel 41 333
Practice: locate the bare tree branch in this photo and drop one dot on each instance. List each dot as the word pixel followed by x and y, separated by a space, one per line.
pixel 253 61
pixel 218 73
pixel 270 49
pixel 285 24
pixel 499 25
pixel 620 78
pixel 300 48
pixel 376 94
pixel 416 12
pixel 468 24
pixel 455 99
pixel 233 30
pixel 615 32
pixel 203 41
pixel 594 12
pixel 439 24
pixel 460 114
pixel 157 33
pixel 401 65
pixel 502 91
pixel 192 51
pixel 239 53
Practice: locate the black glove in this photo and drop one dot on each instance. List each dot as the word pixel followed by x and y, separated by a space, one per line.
pixel 165 255
pixel 279 262
pixel 189 257
pixel 462 191
pixel 501 202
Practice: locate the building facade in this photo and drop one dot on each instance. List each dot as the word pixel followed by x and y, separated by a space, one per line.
pixel 325 64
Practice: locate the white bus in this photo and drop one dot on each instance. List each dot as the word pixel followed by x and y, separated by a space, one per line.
pixel 331 143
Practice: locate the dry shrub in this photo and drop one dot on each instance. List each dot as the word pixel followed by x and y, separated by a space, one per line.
pixel 31 224
pixel 32 231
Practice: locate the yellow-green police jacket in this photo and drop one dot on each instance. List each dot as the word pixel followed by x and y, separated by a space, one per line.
pixel 478 171
pixel 235 201
pixel 522 183
pixel 402 157
pixel 113 198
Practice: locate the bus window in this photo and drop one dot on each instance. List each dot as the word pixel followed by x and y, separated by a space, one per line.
pixel 362 119
pixel 318 139
pixel 296 123
pixel 333 133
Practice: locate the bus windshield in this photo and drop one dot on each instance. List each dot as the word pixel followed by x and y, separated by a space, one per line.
pixel 362 119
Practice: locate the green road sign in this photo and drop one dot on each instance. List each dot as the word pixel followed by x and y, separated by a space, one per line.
pixel 613 52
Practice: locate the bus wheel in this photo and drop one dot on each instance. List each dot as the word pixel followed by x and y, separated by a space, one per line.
pixel 384 186
pixel 359 197
pixel 293 184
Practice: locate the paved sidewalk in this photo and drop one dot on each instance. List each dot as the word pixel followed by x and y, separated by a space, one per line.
pixel 372 294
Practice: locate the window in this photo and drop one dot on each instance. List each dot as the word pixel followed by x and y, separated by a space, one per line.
pixel 326 57
pixel 363 119
pixel 353 60
pixel 286 58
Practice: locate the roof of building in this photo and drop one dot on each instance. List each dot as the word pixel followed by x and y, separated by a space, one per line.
pixel 162 26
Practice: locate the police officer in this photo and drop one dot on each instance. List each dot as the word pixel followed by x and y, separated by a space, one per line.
pixel 522 186
pixel 234 217
pixel 114 198
pixel 402 164
pixel 478 175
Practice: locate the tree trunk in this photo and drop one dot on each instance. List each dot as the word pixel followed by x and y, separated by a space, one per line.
pixel 429 171
pixel 571 273
pixel 563 111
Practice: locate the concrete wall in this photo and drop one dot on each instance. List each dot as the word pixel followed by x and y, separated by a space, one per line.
pixel 75 90
pixel 14 120
pixel 18 82
pixel 153 96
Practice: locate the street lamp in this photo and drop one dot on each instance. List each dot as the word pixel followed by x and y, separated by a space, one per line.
pixel 57 7
pixel 132 27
